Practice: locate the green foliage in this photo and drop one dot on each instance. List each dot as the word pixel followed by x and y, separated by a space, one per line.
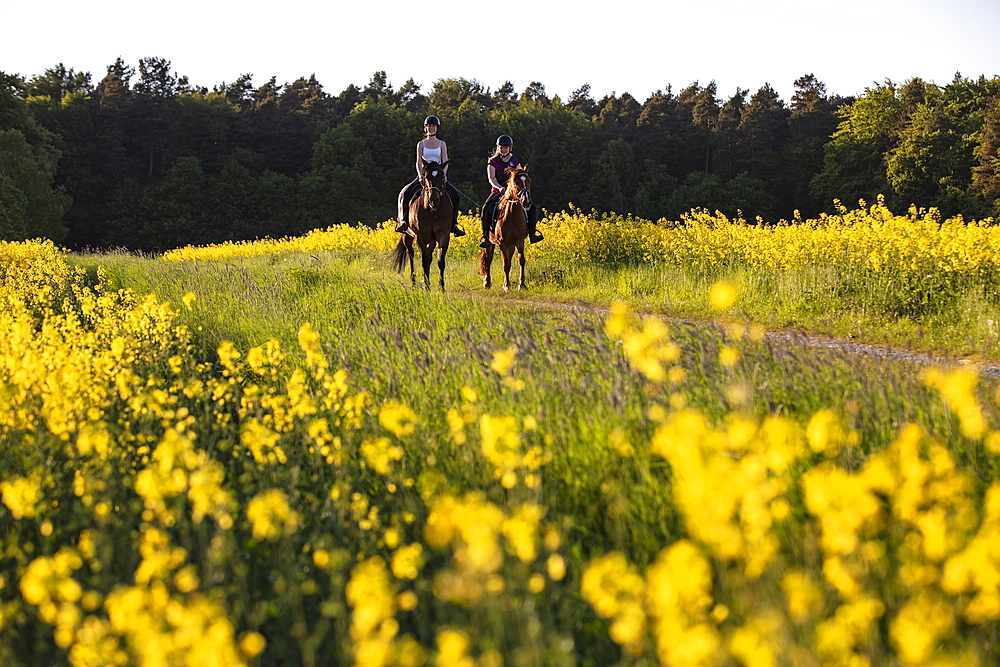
pixel 916 143
pixel 339 187
pixel 743 194
pixel 30 207
pixel 57 82
pixel 448 95
pixel 177 207
pixel 614 181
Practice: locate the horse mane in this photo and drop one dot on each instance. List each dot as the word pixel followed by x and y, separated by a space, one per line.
pixel 514 172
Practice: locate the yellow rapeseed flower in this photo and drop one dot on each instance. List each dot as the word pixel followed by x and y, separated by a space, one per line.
pixel 252 644
pixel 399 419
pixel 271 516
pixel 503 361
pixel 722 295
pixel 407 560
pixel 453 649
pixel 21 495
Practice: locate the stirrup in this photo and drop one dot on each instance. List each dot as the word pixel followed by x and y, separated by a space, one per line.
pixel 536 237
pixel 457 231
pixel 484 244
pixel 402 227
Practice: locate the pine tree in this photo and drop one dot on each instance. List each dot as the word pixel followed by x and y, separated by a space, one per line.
pixel 57 82
pixel 764 122
pixel 581 100
pixel 729 141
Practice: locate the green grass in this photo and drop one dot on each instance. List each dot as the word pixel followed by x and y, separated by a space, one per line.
pixel 424 346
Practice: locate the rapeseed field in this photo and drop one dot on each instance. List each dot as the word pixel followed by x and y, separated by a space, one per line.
pixel 522 492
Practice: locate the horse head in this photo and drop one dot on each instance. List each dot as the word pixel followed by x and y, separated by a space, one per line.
pixel 432 179
pixel 519 185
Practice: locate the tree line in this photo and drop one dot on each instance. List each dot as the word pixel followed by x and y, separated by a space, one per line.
pixel 143 159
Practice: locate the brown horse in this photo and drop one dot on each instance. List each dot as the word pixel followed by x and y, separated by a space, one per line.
pixel 430 224
pixel 511 227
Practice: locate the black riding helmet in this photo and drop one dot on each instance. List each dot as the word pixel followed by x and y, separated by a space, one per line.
pixel 504 140
pixel 432 120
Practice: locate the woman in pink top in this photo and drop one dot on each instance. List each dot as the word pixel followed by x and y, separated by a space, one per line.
pixel 501 159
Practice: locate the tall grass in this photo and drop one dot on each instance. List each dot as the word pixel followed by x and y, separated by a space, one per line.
pixel 909 280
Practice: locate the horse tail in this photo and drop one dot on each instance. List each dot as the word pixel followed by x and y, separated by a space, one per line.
pixel 399 256
pixel 482 261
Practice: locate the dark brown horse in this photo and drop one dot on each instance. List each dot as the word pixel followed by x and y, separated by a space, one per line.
pixel 430 224
pixel 511 227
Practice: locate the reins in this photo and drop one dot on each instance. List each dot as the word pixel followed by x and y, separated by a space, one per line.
pixel 426 188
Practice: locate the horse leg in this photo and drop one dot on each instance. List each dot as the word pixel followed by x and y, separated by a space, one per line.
pixel 409 253
pixel 508 255
pixel 426 253
pixel 487 263
pixel 442 251
pixel 520 261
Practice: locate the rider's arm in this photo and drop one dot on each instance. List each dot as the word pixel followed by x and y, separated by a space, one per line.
pixel 491 174
pixel 420 156
pixel 444 158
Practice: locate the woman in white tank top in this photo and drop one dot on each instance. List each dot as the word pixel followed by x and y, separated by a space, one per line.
pixel 432 154
pixel 431 149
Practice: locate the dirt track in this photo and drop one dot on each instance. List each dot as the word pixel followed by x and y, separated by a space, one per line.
pixel 846 346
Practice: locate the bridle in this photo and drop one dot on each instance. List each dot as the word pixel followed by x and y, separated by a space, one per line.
pixel 515 193
pixel 427 191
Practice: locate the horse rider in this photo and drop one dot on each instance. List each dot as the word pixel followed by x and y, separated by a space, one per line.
pixel 429 149
pixel 496 173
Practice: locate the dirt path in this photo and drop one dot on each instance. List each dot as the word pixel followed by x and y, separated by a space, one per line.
pixel 794 338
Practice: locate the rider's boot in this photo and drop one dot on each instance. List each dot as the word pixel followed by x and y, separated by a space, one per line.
pixel 401 212
pixel 484 240
pixel 533 234
pixel 455 229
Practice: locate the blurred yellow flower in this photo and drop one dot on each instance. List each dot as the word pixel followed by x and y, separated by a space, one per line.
pixel 271 516
pixel 252 644
pixel 503 361
pixel 728 356
pixel 20 495
pixel 397 418
pixel 453 648
pixel 722 295
pixel 407 560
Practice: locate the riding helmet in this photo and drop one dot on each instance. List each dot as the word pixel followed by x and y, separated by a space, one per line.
pixel 432 120
pixel 504 140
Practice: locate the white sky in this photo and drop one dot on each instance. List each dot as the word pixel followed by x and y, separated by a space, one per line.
pixel 635 46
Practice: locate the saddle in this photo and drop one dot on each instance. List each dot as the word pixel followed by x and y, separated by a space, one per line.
pixel 490 214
